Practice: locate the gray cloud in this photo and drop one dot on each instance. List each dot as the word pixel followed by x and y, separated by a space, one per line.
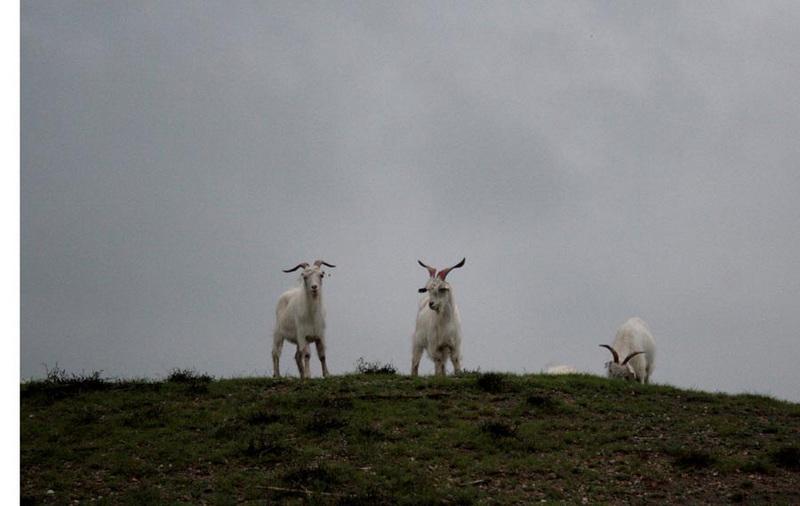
pixel 592 163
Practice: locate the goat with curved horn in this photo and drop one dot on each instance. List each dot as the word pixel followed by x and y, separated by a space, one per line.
pixel 300 319
pixel 633 341
pixel 438 329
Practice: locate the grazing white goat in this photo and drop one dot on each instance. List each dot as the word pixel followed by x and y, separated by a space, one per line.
pixel 300 319
pixel 438 330
pixel 633 341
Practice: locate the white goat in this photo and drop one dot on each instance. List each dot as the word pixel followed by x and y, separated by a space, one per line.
pixel 438 330
pixel 300 319
pixel 633 341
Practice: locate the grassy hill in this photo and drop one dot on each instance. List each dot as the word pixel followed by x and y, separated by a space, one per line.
pixel 372 438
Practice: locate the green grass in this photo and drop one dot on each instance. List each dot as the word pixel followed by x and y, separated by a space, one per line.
pixel 381 438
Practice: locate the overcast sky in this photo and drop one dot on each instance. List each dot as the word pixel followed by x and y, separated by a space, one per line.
pixel 593 161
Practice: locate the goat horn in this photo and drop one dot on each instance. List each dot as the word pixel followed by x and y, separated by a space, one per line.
pixel 631 356
pixel 431 270
pixel 303 265
pixel 323 262
pixel 613 352
pixel 443 273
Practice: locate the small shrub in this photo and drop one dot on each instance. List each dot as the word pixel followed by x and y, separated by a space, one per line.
pixel 57 376
pixel 59 384
pixel 492 382
pixel 189 376
pixel 692 459
pixel 364 367
pixel 195 383
pixel 787 457
pixel 499 429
